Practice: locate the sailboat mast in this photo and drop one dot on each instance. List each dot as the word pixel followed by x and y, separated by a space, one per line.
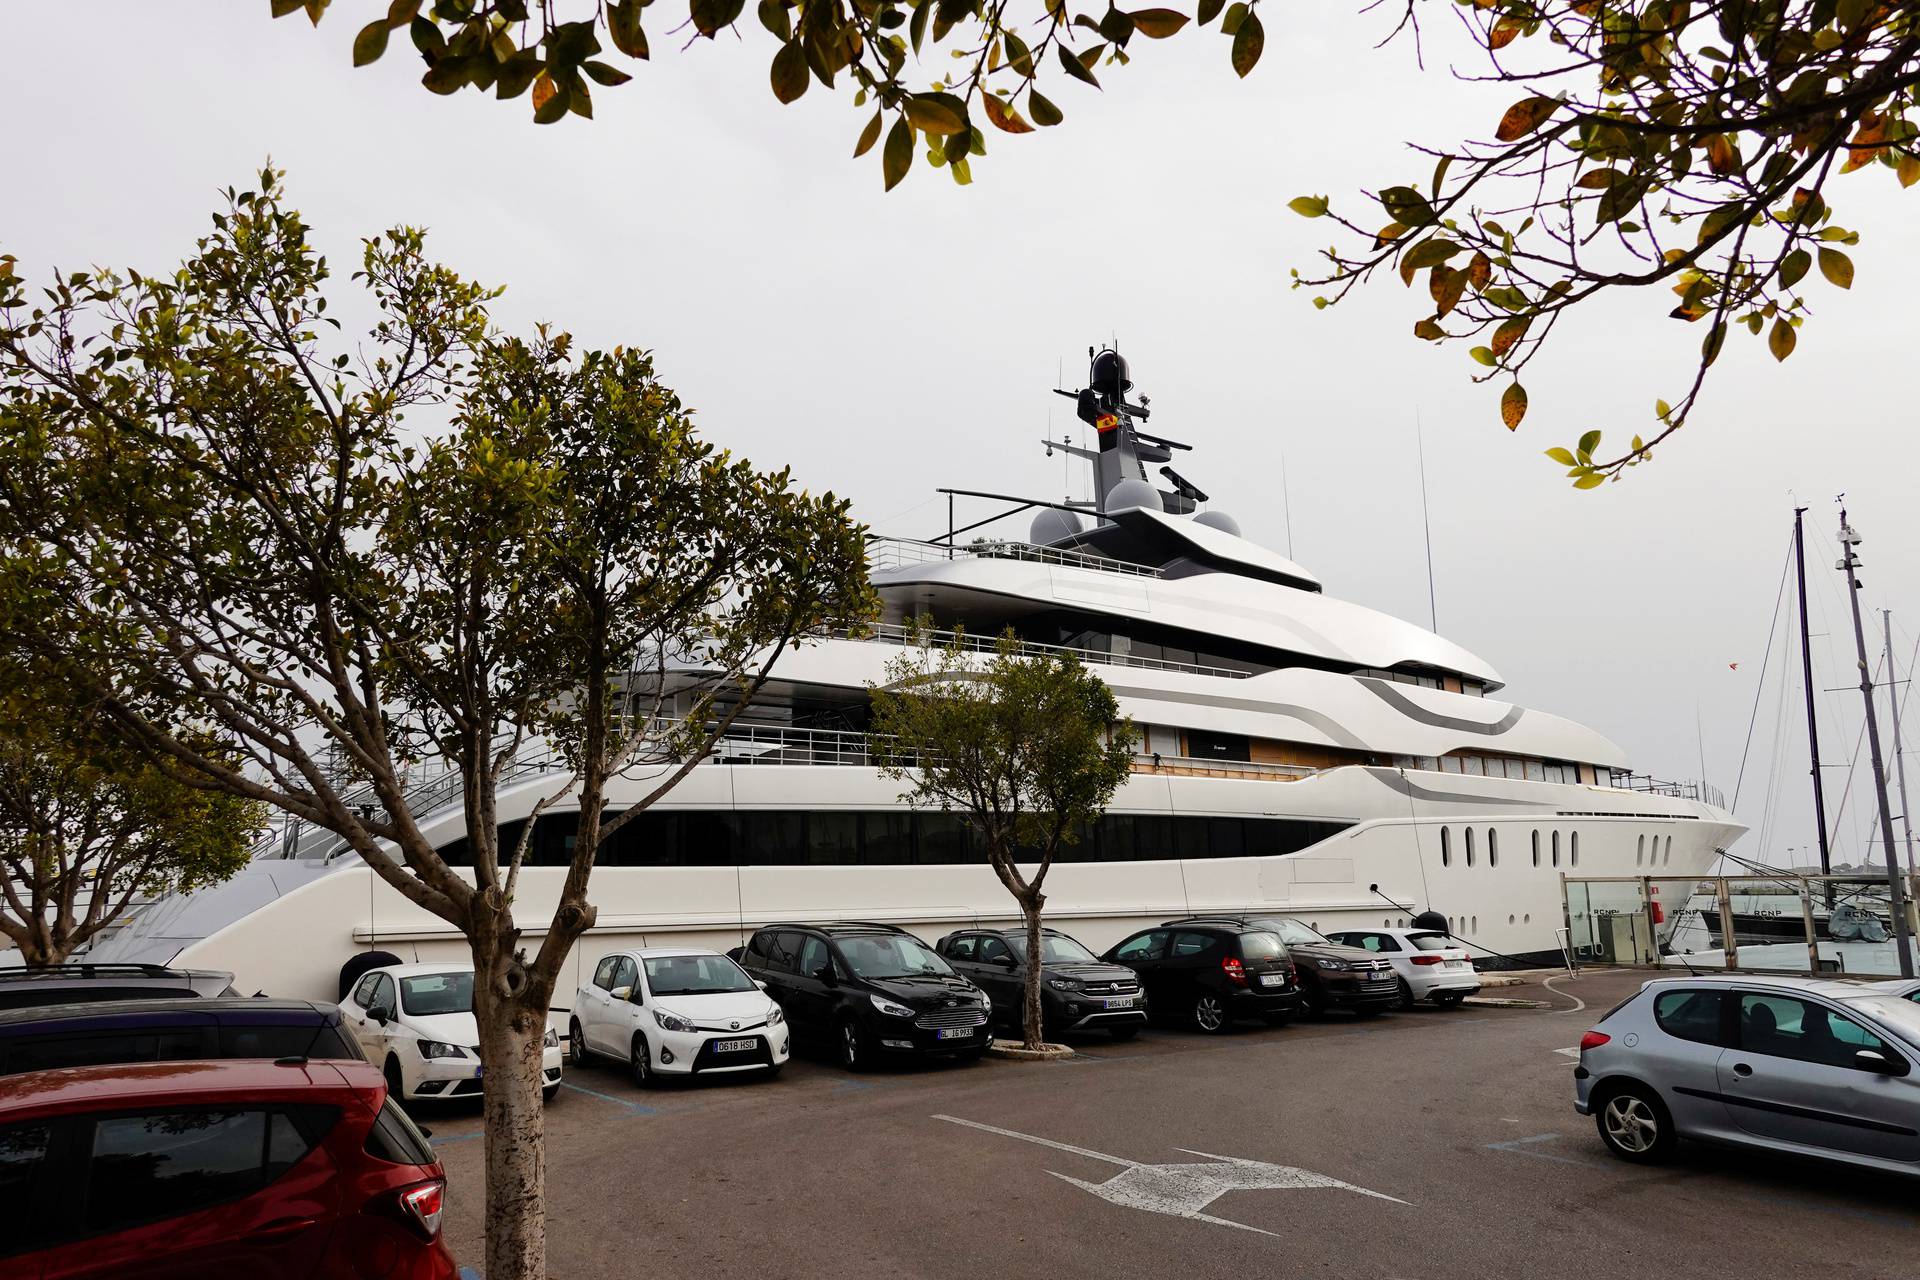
pixel 1899 747
pixel 1806 681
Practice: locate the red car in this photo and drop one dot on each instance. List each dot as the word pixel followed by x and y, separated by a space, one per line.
pixel 290 1170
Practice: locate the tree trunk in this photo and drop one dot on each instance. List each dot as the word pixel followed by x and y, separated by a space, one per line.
pixel 1030 905
pixel 511 1034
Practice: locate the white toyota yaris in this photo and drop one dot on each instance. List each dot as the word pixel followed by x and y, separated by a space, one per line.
pixel 415 1022
pixel 677 1011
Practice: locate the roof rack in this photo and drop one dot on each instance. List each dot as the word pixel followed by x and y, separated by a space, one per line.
pixel 83 969
pixel 860 924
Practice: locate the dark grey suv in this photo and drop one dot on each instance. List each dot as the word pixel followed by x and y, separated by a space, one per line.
pixel 1078 990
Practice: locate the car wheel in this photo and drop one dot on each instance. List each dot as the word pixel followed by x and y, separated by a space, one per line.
pixel 1406 994
pixel 1210 1013
pixel 576 1045
pixel 640 1063
pixel 1634 1124
pixel 396 1083
pixel 1123 1033
pixel 851 1045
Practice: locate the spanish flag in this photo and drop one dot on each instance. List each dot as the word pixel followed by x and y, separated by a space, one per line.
pixel 1106 422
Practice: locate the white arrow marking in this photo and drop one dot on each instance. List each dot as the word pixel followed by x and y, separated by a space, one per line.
pixel 1183 1190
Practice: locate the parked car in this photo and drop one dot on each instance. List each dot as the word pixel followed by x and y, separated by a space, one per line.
pixel 415 1022
pixel 1078 990
pixel 1905 988
pixel 1331 974
pixel 677 1011
pixel 76 1035
pixel 1211 973
pixel 867 991
pixel 79 983
pixel 1430 966
pixel 183 1170
pixel 1810 1066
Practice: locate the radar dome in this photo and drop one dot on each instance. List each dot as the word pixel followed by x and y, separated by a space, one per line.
pixel 1054 525
pixel 1132 493
pixel 1219 520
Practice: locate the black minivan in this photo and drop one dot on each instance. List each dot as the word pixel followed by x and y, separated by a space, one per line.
pixel 1208 974
pixel 866 991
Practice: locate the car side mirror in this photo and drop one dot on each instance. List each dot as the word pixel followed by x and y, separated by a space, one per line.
pixel 1008 962
pixel 824 973
pixel 380 1015
pixel 621 993
pixel 1880 1062
pixel 758 983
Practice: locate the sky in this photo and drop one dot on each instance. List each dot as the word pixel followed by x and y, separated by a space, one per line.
pixel 884 344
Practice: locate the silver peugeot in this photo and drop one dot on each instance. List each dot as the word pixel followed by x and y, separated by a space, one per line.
pixel 1810 1066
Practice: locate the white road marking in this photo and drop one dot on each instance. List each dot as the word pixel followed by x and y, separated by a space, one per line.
pixel 1182 1190
pixel 1578 1003
pixel 1571 1053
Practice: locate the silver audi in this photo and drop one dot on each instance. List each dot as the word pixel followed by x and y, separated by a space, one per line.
pixel 1809 1066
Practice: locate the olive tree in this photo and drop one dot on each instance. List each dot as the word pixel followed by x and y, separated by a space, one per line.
pixel 1026 749
pixel 436 542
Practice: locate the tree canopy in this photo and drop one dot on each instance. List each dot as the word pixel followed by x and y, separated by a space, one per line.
pixel 1686 143
pixel 1025 748
pixel 435 556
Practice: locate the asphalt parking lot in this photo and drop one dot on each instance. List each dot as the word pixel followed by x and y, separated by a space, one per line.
pixel 1423 1144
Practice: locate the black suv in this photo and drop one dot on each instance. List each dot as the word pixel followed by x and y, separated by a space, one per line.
pixel 79 982
pixel 1078 991
pixel 1332 974
pixel 867 991
pixel 1210 972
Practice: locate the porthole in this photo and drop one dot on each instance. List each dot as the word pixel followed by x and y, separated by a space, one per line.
pixel 1556 848
pixel 1475 926
pixel 1640 851
pixel 1493 848
pixel 1669 850
pixel 1469 846
pixel 1446 847
pixel 1536 848
pixel 1527 918
pixel 1573 851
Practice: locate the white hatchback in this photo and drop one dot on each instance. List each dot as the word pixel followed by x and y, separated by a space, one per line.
pixel 677 1011
pixel 1431 966
pixel 415 1022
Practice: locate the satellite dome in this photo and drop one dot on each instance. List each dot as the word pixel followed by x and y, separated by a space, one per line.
pixel 1110 374
pixel 1219 520
pixel 1054 525
pixel 1132 493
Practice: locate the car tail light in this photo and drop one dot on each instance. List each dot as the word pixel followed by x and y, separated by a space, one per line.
pixel 1427 958
pixel 422 1205
pixel 1235 971
pixel 1593 1040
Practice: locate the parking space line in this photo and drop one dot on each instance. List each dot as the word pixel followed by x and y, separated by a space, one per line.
pixel 1520 1147
pixel 637 1108
pixel 454 1137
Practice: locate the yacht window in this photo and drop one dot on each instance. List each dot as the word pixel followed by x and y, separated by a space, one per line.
pixel 886 838
pixel 1469 846
pixel 1573 850
pixel 1450 764
pixel 1474 766
pixel 1218 746
pixel 1556 848
pixel 1640 850
pixel 1446 847
pixel 1493 848
pixel 1226 838
pixel 1669 857
pixel 1536 771
pixel 1162 740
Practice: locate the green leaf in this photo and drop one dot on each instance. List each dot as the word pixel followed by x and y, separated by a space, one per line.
pixel 1043 111
pixel 937 113
pixel 917 29
pixel 1780 341
pixel 897 157
pixel 1593 481
pixel 1407 206
pixel 1793 267
pixel 1309 206
pixel 773 16
pixel 789 72
pixel 370 43
pixel 1208 10
pixel 602 73
pixel 1236 14
pixel 1837 267
pixel 1429 253
pixel 868 136
pixel 623 24
pixel 1074 67
pixel 1485 356
pixel 1562 456
pixel 1588 443
pixel 1157 24
pixel 1248 43
pixel 1429 329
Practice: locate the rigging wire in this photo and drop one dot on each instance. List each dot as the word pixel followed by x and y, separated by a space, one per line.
pixel 1761 684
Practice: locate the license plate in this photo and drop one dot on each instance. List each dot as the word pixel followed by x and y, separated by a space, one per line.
pixel 1273 979
pixel 1122 1002
pixel 953 1033
pixel 735 1046
pixel 1456 964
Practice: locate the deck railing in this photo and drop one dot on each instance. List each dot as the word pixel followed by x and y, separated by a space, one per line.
pixel 1704 792
pixel 895 633
pixel 899 553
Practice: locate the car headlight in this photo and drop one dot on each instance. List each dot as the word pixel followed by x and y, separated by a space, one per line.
pixel 774 1016
pixel 551 1040
pixel 1065 984
pixel 670 1022
pixel 891 1008
pixel 440 1049
pixel 1334 966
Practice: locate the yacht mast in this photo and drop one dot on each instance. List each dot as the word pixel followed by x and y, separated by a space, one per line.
pixel 1899 747
pixel 1896 904
pixel 1806 681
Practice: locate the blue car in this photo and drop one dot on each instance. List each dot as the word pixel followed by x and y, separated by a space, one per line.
pixel 189 1029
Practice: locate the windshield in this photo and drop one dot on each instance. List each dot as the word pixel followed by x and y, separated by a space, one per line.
pixel 1261 946
pixel 1057 949
pixel 432 993
pixel 695 976
pixel 1898 1015
pixel 893 956
pixel 1429 941
pixel 1292 932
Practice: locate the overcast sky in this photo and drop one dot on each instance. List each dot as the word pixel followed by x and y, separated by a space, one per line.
pixel 887 344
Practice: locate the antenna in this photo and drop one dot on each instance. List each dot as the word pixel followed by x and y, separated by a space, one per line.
pixel 1426 523
pixel 1286 503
